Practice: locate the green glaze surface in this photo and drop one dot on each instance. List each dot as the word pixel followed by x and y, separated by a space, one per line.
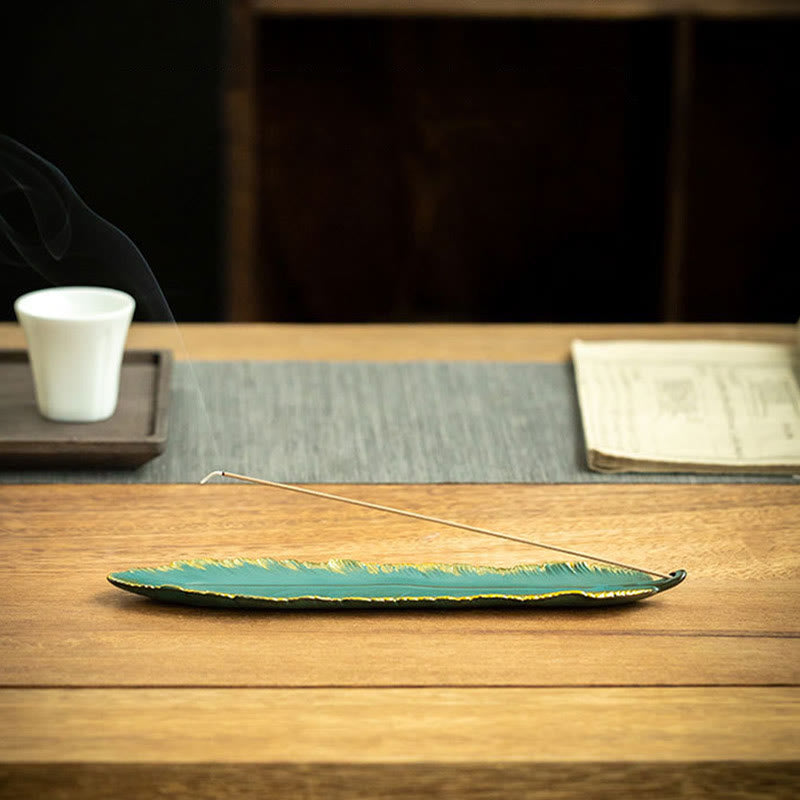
pixel 273 584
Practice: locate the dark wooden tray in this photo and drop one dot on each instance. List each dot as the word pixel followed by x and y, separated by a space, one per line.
pixel 135 434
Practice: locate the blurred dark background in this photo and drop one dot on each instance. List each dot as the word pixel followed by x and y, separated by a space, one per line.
pixel 396 168
pixel 125 99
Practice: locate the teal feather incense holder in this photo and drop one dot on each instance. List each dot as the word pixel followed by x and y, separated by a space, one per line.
pixel 275 584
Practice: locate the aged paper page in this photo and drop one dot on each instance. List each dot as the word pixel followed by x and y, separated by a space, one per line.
pixel 691 406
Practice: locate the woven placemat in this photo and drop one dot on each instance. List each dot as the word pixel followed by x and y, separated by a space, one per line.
pixel 365 422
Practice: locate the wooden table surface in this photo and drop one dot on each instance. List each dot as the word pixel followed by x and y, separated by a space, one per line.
pixel 693 694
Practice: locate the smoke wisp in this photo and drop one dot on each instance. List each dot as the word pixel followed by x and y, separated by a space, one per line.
pixel 46 226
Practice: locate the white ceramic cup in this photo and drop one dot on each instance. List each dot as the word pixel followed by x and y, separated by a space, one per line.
pixel 76 339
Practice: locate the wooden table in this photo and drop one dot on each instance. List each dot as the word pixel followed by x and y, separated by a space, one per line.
pixel 694 694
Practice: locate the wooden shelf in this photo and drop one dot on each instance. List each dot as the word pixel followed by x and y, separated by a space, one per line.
pixel 582 9
pixel 509 161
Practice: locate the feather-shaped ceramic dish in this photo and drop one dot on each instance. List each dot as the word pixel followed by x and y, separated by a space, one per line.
pixel 273 584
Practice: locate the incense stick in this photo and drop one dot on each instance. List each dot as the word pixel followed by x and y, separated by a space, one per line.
pixel 414 515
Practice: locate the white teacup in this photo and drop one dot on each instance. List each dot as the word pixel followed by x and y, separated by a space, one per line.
pixel 76 339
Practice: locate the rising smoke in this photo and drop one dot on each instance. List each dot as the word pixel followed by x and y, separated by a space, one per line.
pixel 46 227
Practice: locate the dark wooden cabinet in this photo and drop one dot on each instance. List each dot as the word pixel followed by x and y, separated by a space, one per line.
pixel 513 161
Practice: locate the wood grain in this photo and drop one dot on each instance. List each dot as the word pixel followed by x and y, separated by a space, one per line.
pixel 265 652
pixel 693 694
pixel 385 726
pixel 732 622
pixel 549 343
pixel 609 780
pixel 451 743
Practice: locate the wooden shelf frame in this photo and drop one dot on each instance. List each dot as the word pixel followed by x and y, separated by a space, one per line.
pixel 246 302
pixel 580 9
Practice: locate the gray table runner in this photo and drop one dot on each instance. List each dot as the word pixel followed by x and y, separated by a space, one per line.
pixel 364 422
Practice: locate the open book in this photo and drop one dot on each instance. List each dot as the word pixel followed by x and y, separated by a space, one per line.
pixel 689 406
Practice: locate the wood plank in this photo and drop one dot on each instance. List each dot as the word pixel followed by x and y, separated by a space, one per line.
pixel 582 9
pixel 551 343
pixel 260 652
pixel 460 781
pixel 664 526
pixel 603 743
pixel 385 726
pixel 733 621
